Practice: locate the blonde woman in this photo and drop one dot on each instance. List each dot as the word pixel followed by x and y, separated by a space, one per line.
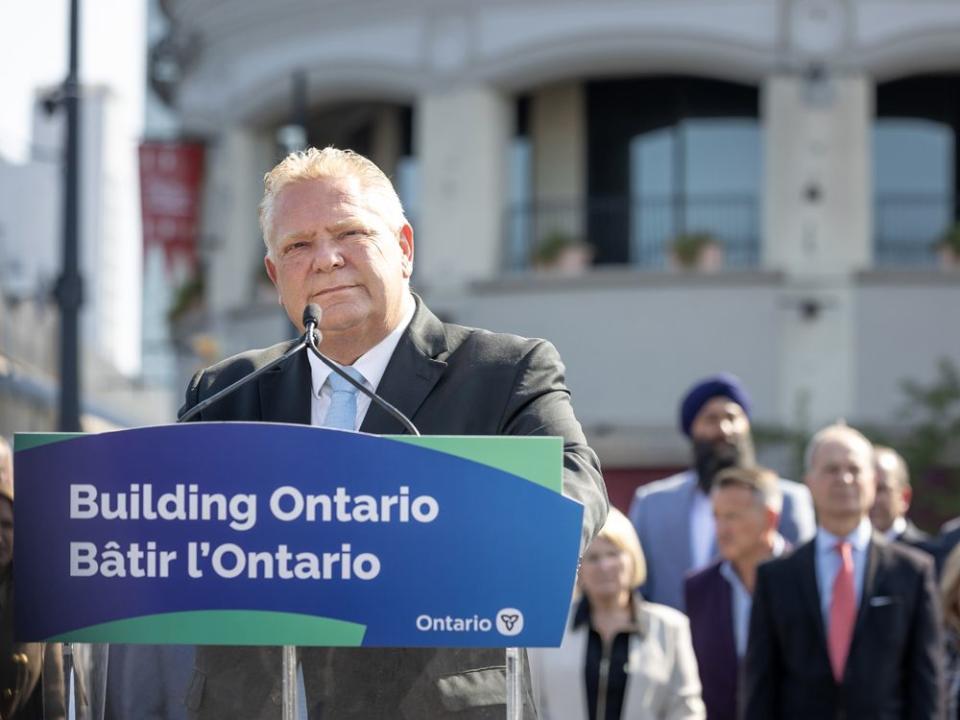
pixel 950 600
pixel 622 658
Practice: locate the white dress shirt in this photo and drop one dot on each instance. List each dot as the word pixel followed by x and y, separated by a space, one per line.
pixel 897 529
pixel 828 563
pixel 703 530
pixel 372 364
pixel 742 600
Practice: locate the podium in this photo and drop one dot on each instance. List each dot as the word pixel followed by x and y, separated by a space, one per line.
pixel 401 573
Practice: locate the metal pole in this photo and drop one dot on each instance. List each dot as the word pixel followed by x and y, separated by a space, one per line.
pixel 69 290
pixel 514 700
pixel 288 708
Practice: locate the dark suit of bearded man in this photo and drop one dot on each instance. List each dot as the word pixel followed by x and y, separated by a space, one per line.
pixel 449 380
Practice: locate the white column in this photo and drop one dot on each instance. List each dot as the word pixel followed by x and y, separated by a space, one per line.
pixel 558 130
pixel 461 139
pixel 818 175
pixel 232 193
pixel 387 140
pixel 818 232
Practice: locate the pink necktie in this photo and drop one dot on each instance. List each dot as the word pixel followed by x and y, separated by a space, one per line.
pixel 843 612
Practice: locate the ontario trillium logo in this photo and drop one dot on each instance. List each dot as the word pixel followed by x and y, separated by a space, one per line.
pixel 509 622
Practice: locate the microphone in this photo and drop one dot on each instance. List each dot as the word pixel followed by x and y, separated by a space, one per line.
pixel 311 319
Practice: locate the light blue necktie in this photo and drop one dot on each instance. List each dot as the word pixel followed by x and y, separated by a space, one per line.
pixel 341 415
pixel 343 402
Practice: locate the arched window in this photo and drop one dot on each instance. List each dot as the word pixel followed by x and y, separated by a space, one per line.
pixel 915 158
pixel 668 157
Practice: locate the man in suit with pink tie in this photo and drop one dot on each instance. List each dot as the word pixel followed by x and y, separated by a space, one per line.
pixel 848 625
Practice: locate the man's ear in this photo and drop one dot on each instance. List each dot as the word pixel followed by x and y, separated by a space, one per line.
pixel 907 494
pixel 773 519
pixel 406 249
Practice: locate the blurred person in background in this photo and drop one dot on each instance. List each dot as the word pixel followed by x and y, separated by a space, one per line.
pixel 31 674
pixel 746 506
pixel 848 625
pixel 950 600
pixel 6 462
pixel 894 494
pixel 622 658
pixel 674 516
pixel 945 542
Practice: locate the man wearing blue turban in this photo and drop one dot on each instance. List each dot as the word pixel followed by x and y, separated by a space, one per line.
pixel 674 516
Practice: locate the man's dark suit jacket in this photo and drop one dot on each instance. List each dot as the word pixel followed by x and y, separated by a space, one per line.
pixel 709 603
pixel 916 538
pixel 895 666
pixel 449 380
pixel 945 542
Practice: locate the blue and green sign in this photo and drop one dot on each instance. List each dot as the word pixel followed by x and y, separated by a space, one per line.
pixel 268 534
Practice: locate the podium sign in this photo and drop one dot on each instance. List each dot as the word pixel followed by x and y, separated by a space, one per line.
pixel 271 534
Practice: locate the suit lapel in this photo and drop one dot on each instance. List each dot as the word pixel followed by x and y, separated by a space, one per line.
pixel 807 558
pixel 869 583
pixel 413 371
pixel 285 391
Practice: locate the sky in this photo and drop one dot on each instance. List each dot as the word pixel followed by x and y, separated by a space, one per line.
pixel 33 53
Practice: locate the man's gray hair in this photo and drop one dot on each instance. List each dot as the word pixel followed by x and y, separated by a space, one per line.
pixel 837 431
pixel 329 164
pixel 901 473
pixel 762 482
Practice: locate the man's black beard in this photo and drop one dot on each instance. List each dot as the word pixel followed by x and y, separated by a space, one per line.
pixel 709 458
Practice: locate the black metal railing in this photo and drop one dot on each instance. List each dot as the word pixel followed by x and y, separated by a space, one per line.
pixel 634 231
pixel 907 227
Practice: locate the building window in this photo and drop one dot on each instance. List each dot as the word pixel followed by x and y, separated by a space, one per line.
pixel 915 158
pixel 672 156
pixel 697 176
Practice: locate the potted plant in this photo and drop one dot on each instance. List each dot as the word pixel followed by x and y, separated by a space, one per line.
pixel 948 248
pixel 559 251
pixel 696 251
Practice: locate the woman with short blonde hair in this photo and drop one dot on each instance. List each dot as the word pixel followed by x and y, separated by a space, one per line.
pixel 622 658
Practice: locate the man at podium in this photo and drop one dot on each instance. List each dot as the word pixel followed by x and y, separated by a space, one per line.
pixel 336 236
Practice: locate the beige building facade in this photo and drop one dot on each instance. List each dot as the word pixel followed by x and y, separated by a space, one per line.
pixel 620 126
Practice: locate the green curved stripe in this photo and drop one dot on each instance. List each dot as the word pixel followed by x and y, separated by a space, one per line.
pixel 537 459
pixel 26 441
pixel 222 627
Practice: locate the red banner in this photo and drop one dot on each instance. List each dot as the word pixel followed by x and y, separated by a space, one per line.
pixel 171 177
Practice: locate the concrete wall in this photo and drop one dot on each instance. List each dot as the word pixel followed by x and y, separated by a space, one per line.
pixel 906 323
pixel 633 343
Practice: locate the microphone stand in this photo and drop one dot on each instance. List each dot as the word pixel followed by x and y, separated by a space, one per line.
pixel 308 340
pixel 201 406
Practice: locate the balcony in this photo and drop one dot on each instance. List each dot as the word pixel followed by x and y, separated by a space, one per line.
pixel 634 231
pixel 908 226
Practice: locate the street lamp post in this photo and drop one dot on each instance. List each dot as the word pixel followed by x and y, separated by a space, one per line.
pixel 69 289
